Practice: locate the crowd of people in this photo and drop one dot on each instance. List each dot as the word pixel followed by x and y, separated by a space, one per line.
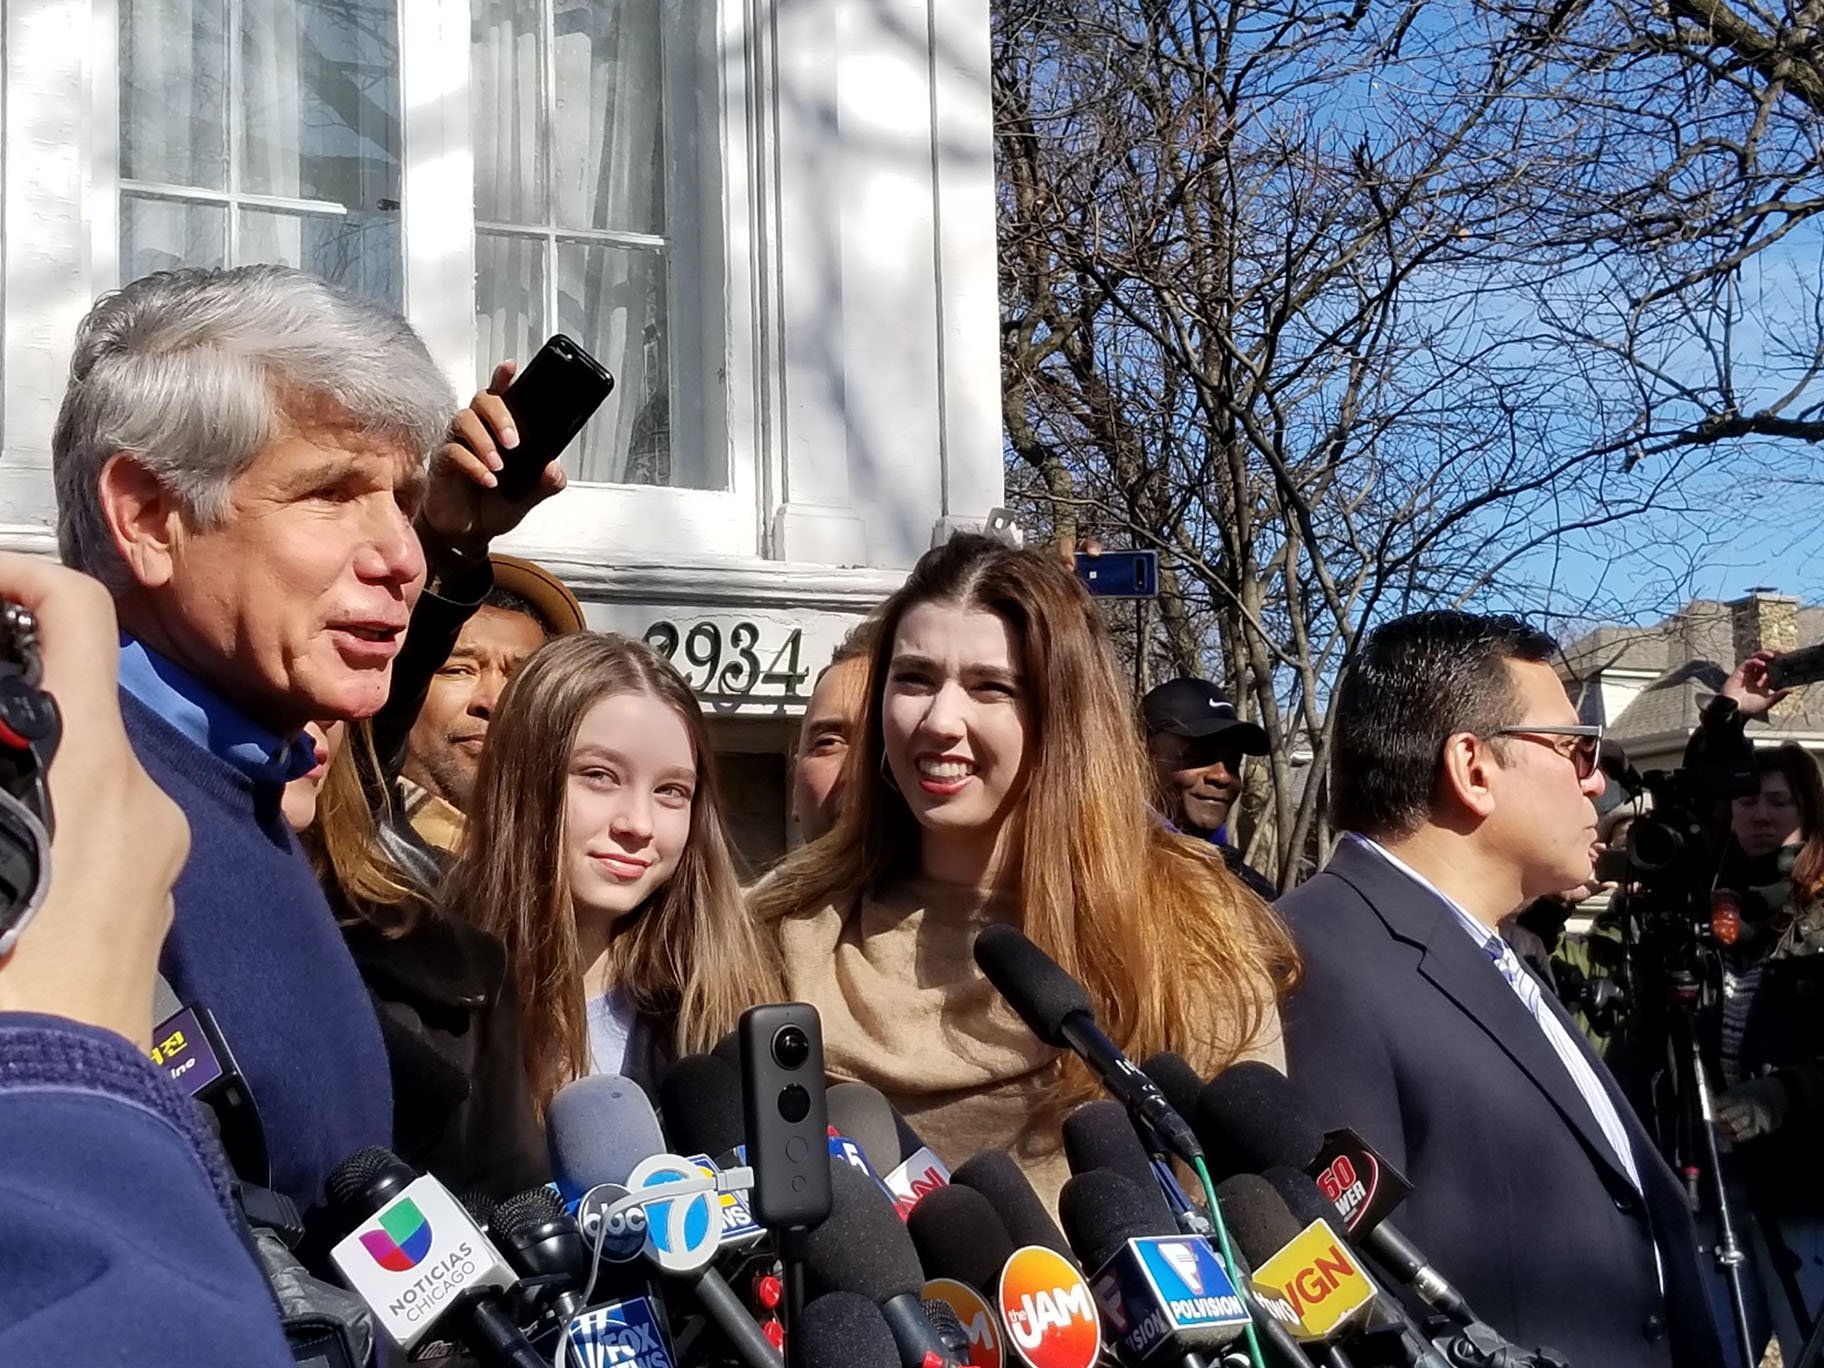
pixel 429 850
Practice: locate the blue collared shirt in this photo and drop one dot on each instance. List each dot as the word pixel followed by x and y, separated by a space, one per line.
pixel 210 720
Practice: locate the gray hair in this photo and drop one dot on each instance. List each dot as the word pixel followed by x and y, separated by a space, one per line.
pixel 192 371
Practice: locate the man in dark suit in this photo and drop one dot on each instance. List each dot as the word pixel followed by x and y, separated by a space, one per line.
pixel 1466 787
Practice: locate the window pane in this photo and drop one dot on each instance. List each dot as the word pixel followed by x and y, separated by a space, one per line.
pixel 608 144
pixel 360 251
pixel 174 92
pixel 156 235
pixel 509 300
pixel 506 111
pixel 320 95
pixel 612 300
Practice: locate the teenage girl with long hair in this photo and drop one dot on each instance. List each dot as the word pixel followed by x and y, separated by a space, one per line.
pixel 595 851
pixel 999 776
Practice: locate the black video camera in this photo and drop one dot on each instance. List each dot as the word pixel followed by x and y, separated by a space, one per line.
pixel 30 728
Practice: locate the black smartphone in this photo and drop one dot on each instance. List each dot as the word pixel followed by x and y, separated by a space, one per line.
pixel 550 399
pixel 1120 574
pixel 1792 668
pixel 788 1121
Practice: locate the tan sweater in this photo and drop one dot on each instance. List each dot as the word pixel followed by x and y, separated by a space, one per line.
pixel 906 1010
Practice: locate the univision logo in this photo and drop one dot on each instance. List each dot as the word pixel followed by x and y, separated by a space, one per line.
pixel 402 1241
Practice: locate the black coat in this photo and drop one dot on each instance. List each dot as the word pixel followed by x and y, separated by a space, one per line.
pixel 449 1016
pixel 1404 1030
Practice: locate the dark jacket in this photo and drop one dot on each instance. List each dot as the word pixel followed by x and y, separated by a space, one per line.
pixel 118 1238
pixel 449 1016
pixel 1405 1031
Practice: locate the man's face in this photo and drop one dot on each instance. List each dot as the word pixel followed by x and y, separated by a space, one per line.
pixel 445 746
pixel 297 603
pixel 1543 821
pixel 830 723
pixel 1200 777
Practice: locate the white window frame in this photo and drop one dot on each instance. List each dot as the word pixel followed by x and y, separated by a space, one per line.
pixel 714 394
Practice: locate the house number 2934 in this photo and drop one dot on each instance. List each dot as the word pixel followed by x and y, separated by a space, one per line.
pixel 737 663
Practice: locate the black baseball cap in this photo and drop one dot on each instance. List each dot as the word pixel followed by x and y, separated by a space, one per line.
pixel 1197 708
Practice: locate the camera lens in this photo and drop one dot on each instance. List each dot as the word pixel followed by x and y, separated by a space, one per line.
pixel 794 1104
pixel 791 1047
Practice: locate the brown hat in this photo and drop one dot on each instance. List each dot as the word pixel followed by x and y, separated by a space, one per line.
pixel 549 596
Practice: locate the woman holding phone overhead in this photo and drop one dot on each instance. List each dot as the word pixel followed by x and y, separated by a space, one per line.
pixel 999 777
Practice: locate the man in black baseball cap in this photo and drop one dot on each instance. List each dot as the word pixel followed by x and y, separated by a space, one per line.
pixel 1196 742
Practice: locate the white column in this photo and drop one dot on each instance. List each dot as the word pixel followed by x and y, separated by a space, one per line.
pixel 46 279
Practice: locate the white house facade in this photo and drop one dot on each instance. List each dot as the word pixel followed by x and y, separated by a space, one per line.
pixel 773 220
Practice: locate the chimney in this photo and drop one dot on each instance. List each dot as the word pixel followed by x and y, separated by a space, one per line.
pixel 1764 621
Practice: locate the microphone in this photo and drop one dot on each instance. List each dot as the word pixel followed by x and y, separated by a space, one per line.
pixel 843 1330
pixel 598 1127
pixel 619 1334
pixel 863 1247
pixel 963 1246
pixel 1164 1296
pixel 190 1047
pixel 994 1174
pixel 700 1102
pixel 1260 1116
pixel 544 1246
pixel 1056 1008
pixel 1308 1279
pixel 860 1113
pixel 1098 1135
pixel 420 1262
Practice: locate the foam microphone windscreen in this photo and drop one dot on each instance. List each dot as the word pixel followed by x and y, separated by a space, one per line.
pixel 1031 981
pixel 700 1106
pixel 1256 1119
pixel 1174 1077
pixel 994 1174
pixel 843 1330
pixel 597 1129
pixel 1100 1135
pixel 864 1115
pixel 1102 1210
pixel 1256 1216
pixel 862 1246
pixel 729 1048
pixel 1301 1196
pixel 959 1235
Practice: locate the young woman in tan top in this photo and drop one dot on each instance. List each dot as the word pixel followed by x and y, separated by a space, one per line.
pixel 999 775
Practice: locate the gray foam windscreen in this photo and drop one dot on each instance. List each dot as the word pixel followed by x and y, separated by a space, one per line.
pixel 598 1128
pixel 863 1115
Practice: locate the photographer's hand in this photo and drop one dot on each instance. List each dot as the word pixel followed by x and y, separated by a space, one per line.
pixel 1748 689
pixel 91 952
pixel 1753 1108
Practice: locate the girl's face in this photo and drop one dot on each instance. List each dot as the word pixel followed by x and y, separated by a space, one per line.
pixel 1769 820
pixel 632 774
pixel 300 801
pixel 956 722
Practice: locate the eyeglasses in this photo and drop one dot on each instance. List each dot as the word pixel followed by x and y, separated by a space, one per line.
pixel 1583 751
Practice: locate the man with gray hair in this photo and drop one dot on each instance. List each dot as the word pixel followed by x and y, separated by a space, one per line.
pixel 241 458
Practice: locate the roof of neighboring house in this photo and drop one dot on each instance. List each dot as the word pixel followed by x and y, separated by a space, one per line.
pixel 1688 656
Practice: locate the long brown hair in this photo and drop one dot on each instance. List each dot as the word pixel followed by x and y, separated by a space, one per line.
pixel 1151 922
pixel 691 958
pixel 344 846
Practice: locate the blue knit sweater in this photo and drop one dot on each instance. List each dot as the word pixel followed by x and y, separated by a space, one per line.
pixel 254 941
